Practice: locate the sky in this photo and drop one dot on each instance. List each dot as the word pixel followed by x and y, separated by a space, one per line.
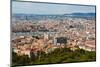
pixel 48 8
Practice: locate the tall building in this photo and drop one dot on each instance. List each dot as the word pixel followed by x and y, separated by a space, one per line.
pixel 46 37
pixel 55 40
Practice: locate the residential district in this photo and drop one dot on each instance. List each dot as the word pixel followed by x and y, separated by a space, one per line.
pixel 48 34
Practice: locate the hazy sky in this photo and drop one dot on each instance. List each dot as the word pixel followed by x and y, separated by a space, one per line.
pixel 45 8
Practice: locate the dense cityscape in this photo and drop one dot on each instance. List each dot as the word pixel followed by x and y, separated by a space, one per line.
pixel 43 33
pixel 48 33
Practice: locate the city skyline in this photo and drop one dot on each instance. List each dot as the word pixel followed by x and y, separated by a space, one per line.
pixel 49 8
pixel 50 33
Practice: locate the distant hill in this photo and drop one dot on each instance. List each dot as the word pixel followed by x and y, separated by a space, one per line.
pixel 72 14
pixel 81 14
pixel 51 16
